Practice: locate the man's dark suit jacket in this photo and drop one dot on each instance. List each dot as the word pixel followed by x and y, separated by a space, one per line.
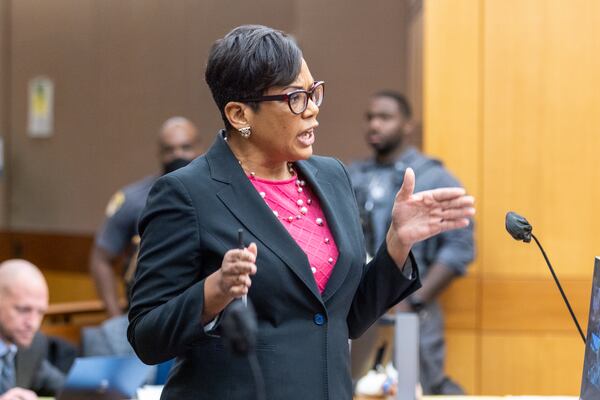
pixel 34 371
pixel 190 220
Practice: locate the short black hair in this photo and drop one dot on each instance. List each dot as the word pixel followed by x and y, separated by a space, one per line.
pixel 249 60
pixel 402 101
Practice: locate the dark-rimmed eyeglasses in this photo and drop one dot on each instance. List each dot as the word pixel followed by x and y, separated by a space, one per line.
pixel 298 99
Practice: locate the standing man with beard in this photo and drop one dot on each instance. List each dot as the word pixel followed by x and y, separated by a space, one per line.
pixel 441 258
pixel 117 239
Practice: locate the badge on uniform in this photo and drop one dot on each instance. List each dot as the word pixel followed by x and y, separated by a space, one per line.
pixel 115 203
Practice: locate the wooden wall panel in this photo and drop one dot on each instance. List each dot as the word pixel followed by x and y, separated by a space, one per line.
pixel 51 250
pixel 541 364
pixel 4 246
pixel 528 144
pixel 452 131
pixel 451 91
pixel 461 303
pixel 462 360
pixel 533 305
pixel 541 122
pixel 62 258
pixel 68 286
pixel 452 87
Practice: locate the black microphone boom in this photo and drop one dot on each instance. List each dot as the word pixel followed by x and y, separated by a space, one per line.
pixel 520 229
pixel 239 328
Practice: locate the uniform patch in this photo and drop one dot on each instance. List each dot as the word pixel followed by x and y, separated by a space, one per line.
pixel 115 203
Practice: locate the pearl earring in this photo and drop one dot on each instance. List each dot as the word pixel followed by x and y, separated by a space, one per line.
pixel 245 132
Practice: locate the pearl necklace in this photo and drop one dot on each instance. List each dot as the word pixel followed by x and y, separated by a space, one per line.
pixel 302 204
pixel 290 202
pixel 252 174
pixel 301 200
pixel 290 165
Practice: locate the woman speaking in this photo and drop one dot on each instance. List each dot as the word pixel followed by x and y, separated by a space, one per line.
pixel 304 268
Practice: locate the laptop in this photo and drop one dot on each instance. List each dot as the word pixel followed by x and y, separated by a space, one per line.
pixel 590 381
pixel 104 378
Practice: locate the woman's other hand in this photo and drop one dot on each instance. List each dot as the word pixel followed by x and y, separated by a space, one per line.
pixel 237 267
pixel 18 393
pixel 230 281
pixel 419 216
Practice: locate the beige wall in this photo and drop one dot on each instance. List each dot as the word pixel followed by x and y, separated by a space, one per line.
pixel 511 104
pixel 121 67
pixel 4 101
pixel 414 56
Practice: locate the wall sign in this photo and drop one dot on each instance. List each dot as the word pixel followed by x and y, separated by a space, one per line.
pixel 41 107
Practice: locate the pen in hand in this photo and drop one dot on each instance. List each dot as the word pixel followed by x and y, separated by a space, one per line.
pixel 241 247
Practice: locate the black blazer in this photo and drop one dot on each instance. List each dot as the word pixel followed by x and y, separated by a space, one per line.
pixel 34 372
pixel 190 220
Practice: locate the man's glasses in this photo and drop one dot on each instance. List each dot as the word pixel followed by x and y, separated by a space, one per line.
pixel 298 99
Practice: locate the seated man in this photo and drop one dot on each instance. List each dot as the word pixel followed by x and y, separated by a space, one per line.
pixel 23 301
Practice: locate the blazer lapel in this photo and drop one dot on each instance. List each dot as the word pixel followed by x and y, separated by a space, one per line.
pixel 242 199
pixel 327 194
pixel 26 360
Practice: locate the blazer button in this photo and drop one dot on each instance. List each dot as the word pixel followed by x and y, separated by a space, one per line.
pixel 319 319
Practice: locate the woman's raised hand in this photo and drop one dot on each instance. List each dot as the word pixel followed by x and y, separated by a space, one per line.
pixel 418 216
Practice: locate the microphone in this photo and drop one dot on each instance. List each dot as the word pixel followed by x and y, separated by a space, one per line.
pixel 239 328
pixel 520 229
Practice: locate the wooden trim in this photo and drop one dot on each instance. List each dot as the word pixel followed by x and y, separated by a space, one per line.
pixel 78 307
pixel 533 305
pixel 67 319
pixel 460 303
pixel 4 245
pixel 75 307
pixel 57 251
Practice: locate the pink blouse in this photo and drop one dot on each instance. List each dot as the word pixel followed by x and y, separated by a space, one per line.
pixel 299 210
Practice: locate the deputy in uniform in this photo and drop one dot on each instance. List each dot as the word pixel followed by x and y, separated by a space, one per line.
pixel 117 239
pixel 441 258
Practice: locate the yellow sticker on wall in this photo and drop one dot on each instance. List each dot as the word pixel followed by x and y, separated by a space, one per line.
pixel 41 107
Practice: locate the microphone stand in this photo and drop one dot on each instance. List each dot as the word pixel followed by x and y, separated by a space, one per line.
pixel 259 383
pixel 239 328
pixel 560 289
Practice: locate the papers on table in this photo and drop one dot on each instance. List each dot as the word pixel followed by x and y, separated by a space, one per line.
pixel 149 392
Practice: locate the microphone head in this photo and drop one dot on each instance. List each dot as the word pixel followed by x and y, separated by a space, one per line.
pixel 239 327
pixel 518 227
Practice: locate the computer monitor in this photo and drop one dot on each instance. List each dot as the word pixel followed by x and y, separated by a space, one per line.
pixel 104 378
pixel 590 381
